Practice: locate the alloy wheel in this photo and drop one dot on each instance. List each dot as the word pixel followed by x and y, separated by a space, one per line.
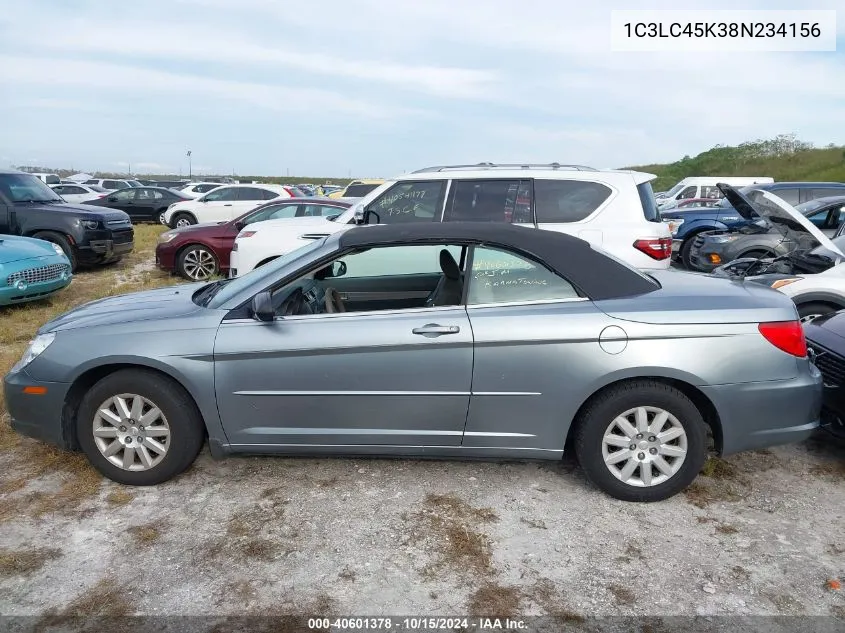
pixel 199 264
pixel 182 222
pixel 644 446
pixel 131 432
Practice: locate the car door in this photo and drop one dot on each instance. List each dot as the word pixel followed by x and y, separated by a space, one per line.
pixel 217 205
pixel 146 202
pixel 350 380
pixel 536 343
pixel 249 198
pixel 123 200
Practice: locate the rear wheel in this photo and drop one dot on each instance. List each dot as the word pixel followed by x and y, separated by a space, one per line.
pixel 809 311
pixel 139 428
pixel 641 441
pixel 62 242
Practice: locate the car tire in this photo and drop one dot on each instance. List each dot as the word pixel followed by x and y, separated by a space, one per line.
pixel 182 219
pixel 161 219
pixel 177 428
pixel 682 454
pixel 809 311
pixel 63 243
pixel 684 253
pixel 197 263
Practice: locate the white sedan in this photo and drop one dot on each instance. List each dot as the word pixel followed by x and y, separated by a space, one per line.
pixel 80 193
pixel 262 242
pixel 222 204
pixel 817 294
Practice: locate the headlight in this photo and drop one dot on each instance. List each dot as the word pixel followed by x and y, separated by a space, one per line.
pixel 89 224
pixel 780 283
pixel 165 237
pixel 724 239
pixel 57 248
pixel 36 347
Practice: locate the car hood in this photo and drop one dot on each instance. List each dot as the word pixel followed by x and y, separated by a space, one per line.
pixel 13 248
pixel 162 303
pixel 83 211
pixel 785 218
pixel 202 227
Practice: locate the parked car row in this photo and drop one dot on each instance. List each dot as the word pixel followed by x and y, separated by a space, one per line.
pixel 425 319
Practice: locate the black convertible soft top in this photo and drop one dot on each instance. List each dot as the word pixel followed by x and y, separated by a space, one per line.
pixel 594 274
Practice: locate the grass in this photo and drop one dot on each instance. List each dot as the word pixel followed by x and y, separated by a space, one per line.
pixel 777 158
pixel 452 524
pixel 494 601
pixel 623 595
pixel 26 460
pixel 119 497
pixel 23 562
pixel 106 599
pixel 146 534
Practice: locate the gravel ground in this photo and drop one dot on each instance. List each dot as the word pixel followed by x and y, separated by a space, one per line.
pixel 760 533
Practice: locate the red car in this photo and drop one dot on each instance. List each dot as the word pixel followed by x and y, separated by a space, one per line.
pixel 200 251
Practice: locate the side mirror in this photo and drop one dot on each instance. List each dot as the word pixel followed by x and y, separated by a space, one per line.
pixel 262 307
pixel 338 269
pixel 368 215
pixel 333 217
pixel 239 226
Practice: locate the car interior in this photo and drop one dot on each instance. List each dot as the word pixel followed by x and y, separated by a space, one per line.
pixel 419 276
pixel 328 290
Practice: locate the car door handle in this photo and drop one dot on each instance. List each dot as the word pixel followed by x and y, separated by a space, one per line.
pixel 227 205
pixel 433 329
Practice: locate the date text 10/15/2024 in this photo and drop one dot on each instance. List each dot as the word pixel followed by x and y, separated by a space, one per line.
pixel 418 624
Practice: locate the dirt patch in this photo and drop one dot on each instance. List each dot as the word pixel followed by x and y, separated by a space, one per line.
pixel 536 524
pixel 119 497
pixel 495 601
pixel 623 595
pixel 22 562
pixel 546 596
pixel 786 603
pixel 347 574
pixel 726 528
pixel 146 534
pixel 450 526
pixel 106 599
pixel 833 471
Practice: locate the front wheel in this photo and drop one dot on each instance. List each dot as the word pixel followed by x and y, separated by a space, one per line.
pixel 62 242
pixel 181 220
pixel 641 441
pixel 197 263
pixel 139 428
pixel 684 253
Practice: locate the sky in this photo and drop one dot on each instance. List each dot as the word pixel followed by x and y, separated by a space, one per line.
pixel 374 88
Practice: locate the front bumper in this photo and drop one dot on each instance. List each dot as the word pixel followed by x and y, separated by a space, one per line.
pixel 104 251
pixel 10 295
pixel 756 415
pixel 700 256
pixel 38 416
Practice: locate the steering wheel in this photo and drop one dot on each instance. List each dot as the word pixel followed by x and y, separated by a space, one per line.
pixel 333 301
pixel 294 304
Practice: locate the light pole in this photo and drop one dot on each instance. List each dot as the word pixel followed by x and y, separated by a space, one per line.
pixel 190 174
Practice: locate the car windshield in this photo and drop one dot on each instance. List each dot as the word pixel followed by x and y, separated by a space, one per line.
pixel 26 188
pixel 808 207
pixel 258 276
pixel 674 190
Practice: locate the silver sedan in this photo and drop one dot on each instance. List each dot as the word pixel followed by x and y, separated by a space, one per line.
pixel 443 340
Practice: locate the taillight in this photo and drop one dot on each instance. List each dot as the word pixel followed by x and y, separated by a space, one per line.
pixel 785 335
pixel 656 248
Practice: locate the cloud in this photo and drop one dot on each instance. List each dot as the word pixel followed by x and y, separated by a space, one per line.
pixel 142 81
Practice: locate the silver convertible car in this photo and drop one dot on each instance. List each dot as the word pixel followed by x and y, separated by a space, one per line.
pixel 453 340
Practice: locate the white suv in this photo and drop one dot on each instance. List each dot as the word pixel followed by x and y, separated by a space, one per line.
pixel 613 209
pixel 222 204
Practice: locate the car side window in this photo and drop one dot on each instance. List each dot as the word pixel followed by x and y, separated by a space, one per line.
pixel 409 202
pixel 499 276
pixel 790 196
pixel 274 212
pixel 489 201
pixel 826 193
pixel 205 188
pixel 266 194
pixel 124 195
pixel 688 193
pixel 226 194
pixel 70 189
pixel 320 210
pixel 711 191
pixel 110 184
pixel 561 201
pixel 390 261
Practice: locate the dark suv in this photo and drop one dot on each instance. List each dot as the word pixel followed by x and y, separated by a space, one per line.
pixel 88 235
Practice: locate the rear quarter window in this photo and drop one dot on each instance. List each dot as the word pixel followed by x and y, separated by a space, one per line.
pixel 561 201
